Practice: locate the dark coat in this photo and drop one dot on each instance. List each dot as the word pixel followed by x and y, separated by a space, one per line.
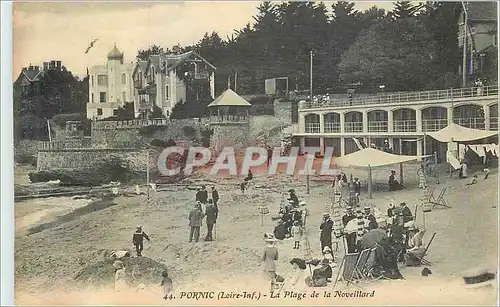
pixel 372 224
pixel 195 218
pixel 280 232
pixel 407 215
pixel 294 198
pixel 211 212
pixel 347 218
pixel 215 195
pixel 326 230
pixel 357 187
pixel 139 237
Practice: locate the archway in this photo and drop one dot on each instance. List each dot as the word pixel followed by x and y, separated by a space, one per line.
pixel 377 121
pixel 404 120
pixel 469 115
pixel 332 123
pixel 312 123
pixel 434 119
pixel 494 117
pixel 353 121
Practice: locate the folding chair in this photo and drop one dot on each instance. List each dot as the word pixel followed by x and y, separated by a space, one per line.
pixel 440 201
pixel 361 263
pixel 369 267
pixel 422 259
pixel 347 269
pixel 429 196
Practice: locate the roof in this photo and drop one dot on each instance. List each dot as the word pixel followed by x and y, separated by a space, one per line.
pixel 31 75
pixel 372 157
pixel 457 133
pixel 482 10
pixel 229 98
pixel 115 54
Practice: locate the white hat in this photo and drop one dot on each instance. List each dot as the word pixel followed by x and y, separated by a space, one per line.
pixel 327 249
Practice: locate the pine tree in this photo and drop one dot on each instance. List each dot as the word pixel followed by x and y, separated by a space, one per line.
pixel 405 9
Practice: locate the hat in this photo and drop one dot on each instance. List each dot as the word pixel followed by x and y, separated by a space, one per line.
pixel 291 190
pixel 327 249
pixel 402 204
pixel 386 141
pixel 300 262
pixel 326 214
pixel 391 205
pixel 296 222
pixel 302 203
pixel 118 265
pixel 348 208
pixel 367 209
pixel 269 237
pixel 138 227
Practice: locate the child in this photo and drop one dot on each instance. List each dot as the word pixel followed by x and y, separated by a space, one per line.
pixel 166 285
pixel 138 240
pixel 297 234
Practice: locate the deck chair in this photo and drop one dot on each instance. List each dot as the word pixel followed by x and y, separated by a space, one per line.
pixel 369 267
pixel 440 201
pixel 347 269
pixel 422 259
pixel 361 263
pixel 429 196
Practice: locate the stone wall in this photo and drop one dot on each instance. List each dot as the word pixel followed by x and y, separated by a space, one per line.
pixel 230 135
pixel 26 147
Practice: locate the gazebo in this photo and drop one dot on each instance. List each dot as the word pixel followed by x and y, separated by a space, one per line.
pixel 370 157
pixel 229 108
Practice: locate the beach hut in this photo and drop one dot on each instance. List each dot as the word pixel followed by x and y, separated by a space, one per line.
pixel 371 157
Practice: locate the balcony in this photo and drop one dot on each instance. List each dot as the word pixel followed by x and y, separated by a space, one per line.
pixel 150 79
pixel 353 126
pixel 332 127
pixel 405 97
pixel 430 125
pixel 138 83
pixel 473 123
pixel 312 128
pixel 201 75
pixel 494 123
pixel 405 126
pixel 128 124
pixel 377 126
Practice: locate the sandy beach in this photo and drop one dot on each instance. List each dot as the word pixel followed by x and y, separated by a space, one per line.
pixel 47 261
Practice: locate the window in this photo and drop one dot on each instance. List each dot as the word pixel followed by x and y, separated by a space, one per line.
pixel 92 80
pixel 102 97
pixel 168 113
pixel 124 80
pixel 92 98
pixel 102 80
pixel 167 94
pixel 115 112
pixel 124 96
pixel 99 111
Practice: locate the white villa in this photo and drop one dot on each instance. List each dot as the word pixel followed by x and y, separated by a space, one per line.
pixel 110 86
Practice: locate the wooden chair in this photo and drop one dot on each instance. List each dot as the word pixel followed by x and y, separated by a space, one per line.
pixel 422 259
pixel 369 267
pixel 440 201
pixel 429 196
pixel 361 263
pixel 347 269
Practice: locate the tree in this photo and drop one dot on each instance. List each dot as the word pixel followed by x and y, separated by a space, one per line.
pixel 405 9
pixel 152 50
pixel 398 54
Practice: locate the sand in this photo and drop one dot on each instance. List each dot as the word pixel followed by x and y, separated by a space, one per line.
pixel 48 261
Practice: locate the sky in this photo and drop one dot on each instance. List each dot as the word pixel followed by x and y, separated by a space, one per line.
pixel 44 31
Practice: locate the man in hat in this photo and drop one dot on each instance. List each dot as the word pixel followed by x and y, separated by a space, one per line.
pixel 349 236
pixel 204 195
pixel 406 212
pixel 293 197
pixel 326 228
pixel 372 221
pixel 304 212
pixel 215 196
pixel 199 195
pixel 138 240
pixel 195 217
pixel 357 188
pixel 211 212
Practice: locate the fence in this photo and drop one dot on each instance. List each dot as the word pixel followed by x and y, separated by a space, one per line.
pixel 130 124
pixel 403 97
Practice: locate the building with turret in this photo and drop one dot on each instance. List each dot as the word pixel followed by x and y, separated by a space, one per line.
pixel 110 86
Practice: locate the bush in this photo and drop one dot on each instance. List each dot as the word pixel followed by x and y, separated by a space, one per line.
pixel 26 159
pixel 61 119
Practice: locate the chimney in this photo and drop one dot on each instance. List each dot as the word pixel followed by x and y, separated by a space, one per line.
pixel 45 65
pixel 36 68
pixel 30 67
pixel 58 65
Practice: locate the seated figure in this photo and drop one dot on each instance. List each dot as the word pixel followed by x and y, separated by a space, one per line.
pixel 416 250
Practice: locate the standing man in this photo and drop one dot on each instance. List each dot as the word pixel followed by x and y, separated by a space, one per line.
pixel 138 240
pixel 195 218
pixel 199 195
pixel 357 189
pixel 269 155
pixel 204 195
pixel 215 196
pixel 326 228
pixel 211 212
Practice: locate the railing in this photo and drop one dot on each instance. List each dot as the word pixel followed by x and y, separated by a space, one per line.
pixel 332 127
pixel 494 123
pixel 429 125
pixel 229 119
pixel 201 75
pixel 138 83
pixel 129 124
pixel 405 126
pixel 403 97
pixel 312 128
pixel 69 143
pixel 353 127
pixel 377 126
pixel 474 123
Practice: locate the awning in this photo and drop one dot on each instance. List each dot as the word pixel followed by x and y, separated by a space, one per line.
pixel 457 133
pixel 372 157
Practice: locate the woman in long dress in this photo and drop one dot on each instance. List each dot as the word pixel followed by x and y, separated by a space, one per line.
pixel 296 282
pixel 269 257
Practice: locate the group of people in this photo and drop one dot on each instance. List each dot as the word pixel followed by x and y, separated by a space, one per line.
pixel 291 219
pixel 197 214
